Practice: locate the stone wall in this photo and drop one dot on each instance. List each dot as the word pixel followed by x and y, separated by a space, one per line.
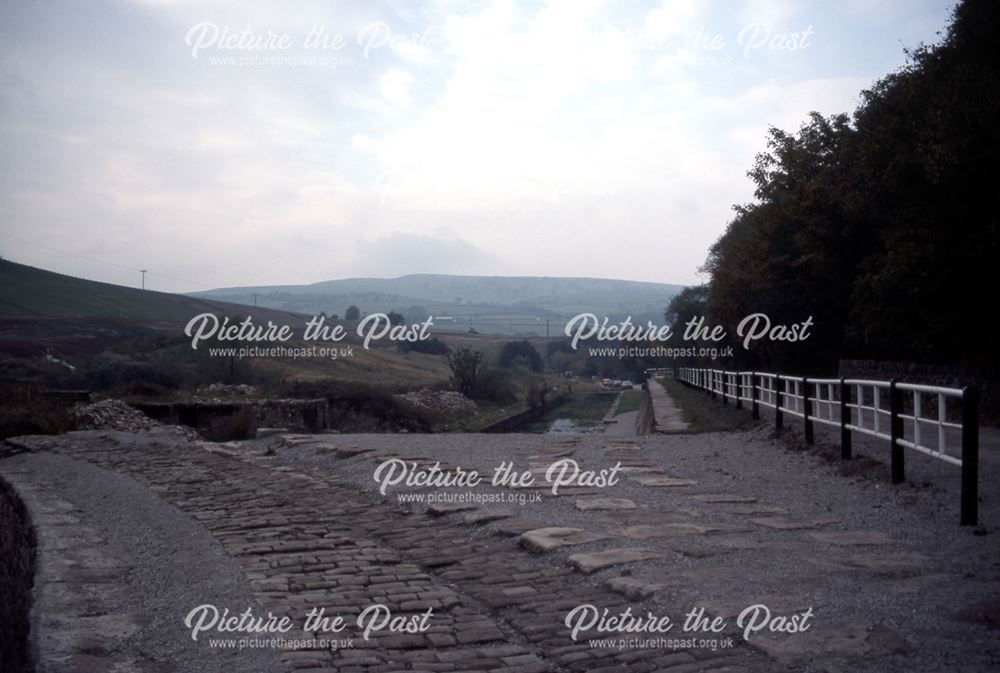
pixel 17 572
pixel 296 415
pixel 644 421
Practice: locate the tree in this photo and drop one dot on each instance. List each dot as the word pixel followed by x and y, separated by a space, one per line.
pixel 416 313
pixel 466 367
pixel 512 351
pixel 352 313
pixel 881 224
pixel 685 305
pixel 395 318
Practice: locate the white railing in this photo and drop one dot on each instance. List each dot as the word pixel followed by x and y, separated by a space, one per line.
pixel 907 415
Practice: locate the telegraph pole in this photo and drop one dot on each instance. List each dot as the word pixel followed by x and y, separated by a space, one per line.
pixel 143 272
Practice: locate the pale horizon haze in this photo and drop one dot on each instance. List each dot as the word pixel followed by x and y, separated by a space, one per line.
pixel 222 143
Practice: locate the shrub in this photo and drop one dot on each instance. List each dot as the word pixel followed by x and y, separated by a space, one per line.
pixel 139 389
pixel 496 385
pixel 466 369
pixel 239 425
pixel 537 394
pixel 521 350
pixel 26 410
pixel 432 346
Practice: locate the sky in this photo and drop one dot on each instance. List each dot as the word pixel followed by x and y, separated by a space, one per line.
pixel 277 142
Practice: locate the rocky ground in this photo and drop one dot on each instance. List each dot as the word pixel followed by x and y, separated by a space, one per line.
pixel 137 529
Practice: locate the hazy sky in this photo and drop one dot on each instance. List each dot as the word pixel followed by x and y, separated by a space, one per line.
pixel 211 144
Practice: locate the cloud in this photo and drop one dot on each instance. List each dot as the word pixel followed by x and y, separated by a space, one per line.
pixel 559 138
pixel 402 253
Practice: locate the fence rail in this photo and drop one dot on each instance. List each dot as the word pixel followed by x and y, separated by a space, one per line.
pixel 907 415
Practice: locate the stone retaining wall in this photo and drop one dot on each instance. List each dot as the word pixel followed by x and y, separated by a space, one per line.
pixel 644 421
pixel 296 415
pixel 17 572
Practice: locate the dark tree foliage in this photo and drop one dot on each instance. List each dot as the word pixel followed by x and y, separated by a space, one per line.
pixel 466 369
pixel 688 303
pixel 352 313
pixel 432 346
pixel 881 225
pixel 513 350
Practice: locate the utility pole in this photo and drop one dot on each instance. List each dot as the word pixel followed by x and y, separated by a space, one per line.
pixel 255 299
pixel 143 272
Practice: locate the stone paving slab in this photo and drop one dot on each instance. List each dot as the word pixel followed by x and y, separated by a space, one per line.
pixel 590 562
pixel 853 639
pixel 723 498
pixel 646 532
pixel 445 508
pixel 543 540
pixel 604 504
pixel 786 523
pixel 852 538
pixel 894 565
pixel 633 588
pixel 663 481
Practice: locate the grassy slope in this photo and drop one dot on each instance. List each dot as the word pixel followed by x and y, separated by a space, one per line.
pixel 27 291
pixel 77 319
pixel 518 304
pixel 704 414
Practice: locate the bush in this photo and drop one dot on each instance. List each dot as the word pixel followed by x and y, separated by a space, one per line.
pixel 521 350
pixel 26 410
pixel 239 425
pixel 140 389
pixel 104 374
pixel 466 369
pixel 432 346
pixel 536 395
pixel 356 407
pixel 495 385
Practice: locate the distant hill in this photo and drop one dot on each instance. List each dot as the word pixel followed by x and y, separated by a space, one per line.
pixel 26 291
pixel 520 304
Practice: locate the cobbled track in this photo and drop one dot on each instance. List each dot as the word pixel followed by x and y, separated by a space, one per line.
pixel 304 540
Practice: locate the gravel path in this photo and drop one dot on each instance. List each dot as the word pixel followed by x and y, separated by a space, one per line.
pixel 162 563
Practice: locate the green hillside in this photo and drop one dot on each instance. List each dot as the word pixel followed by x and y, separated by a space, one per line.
pixel 490 304
pixel 30 292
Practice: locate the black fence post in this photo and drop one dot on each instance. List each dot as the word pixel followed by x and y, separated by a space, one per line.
pixel 970 456
pixel 807 411
pixel 711 383
pixel 896 433
pixel 739 390
pixel 845 420
pixel 754 398
pixel 778 420
pixel 725 388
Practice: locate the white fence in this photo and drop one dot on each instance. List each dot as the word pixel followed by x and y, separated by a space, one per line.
pixel 940 422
